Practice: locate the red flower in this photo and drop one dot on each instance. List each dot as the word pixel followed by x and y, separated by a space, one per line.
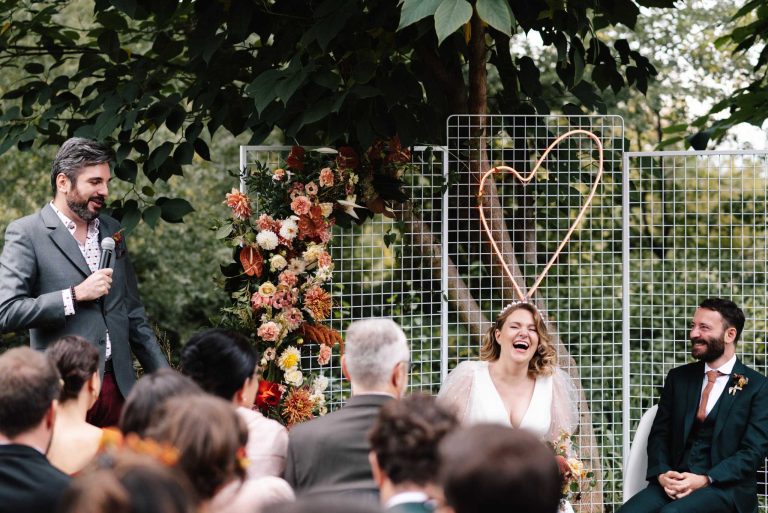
pixel 295 159
pixel 252 261
pixel 347 158
pixel 268 395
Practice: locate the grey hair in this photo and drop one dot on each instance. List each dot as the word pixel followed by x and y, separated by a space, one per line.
pixel 372 349
pixel 77 153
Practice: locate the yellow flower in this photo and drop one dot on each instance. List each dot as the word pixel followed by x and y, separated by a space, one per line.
pixel 289 358
pixel 267 289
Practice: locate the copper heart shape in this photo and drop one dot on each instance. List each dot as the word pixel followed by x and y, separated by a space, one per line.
pixel 525 180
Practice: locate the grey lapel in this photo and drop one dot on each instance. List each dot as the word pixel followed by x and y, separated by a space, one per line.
pixel 727 399
pixel 64 240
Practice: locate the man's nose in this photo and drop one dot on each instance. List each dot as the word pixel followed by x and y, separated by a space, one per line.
pixel 694 333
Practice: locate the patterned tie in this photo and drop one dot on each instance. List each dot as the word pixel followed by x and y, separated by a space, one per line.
pixel 712 375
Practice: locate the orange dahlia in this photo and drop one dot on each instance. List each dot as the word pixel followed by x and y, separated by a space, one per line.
pixel 298 406
pixel 239 204
pixel 318 303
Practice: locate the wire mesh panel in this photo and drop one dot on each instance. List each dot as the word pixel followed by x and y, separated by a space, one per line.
pixel 387 268
pixel 696 228
pixel 581 295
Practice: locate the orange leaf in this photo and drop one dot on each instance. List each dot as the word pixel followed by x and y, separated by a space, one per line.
pixel 252 261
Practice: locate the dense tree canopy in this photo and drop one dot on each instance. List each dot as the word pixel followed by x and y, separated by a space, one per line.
pixel 161 78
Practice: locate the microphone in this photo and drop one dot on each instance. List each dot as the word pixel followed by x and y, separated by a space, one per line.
pixel 107 250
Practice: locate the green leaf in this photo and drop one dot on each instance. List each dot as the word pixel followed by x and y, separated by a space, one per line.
pixel 127 170
pixel 223 231
pixel 202 149
pixel 175 118
pixel 131 216
pixel 681 127
pixel 415 10
pixel 450 16
pixel 174 210
pixel 497 14
pixel 159 154
pixel 262 89
pixel 34 68
pixel 184 153
pixel 151 215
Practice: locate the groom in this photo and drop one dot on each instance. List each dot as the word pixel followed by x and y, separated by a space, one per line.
pixel 710 434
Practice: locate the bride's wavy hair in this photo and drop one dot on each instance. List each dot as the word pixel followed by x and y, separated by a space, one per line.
pixel 543 361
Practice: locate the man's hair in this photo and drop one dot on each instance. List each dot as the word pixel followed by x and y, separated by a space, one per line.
pixel 732 315
pixel 77 153
pixel 406 435
pixel 29 383
pixel 489 468
pixel 373 347
pixel 149 394
pixel 219 361
pixel 208 433
pixel 77 360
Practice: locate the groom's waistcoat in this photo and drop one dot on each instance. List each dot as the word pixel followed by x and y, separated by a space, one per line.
pixel 697 457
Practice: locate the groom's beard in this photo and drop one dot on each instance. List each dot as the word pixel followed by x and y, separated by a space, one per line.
pixel 714 349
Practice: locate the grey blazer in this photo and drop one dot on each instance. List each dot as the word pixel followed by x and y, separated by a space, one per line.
pixel 329 455
pixel 39 260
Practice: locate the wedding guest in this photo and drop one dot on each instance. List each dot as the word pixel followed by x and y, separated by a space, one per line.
pixel 75 441
pixel 129 483
pixel 488 468
pixel 224 363
pixel 210 438
pixel 404 442
pixel 326 505
pixel 329 455
pixel 51 283
pixel 149 394
pixel 29 388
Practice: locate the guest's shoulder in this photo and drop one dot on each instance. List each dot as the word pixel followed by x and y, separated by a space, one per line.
pixel 255 420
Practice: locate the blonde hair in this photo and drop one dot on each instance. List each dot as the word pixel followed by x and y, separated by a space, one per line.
pixel 543 361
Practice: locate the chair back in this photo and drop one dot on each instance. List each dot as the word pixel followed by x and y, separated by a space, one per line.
pixel 637 464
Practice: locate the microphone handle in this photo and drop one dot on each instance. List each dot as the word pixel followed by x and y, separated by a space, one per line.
pixel 106 259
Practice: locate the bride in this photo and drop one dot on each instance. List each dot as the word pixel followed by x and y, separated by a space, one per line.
pixel 517 382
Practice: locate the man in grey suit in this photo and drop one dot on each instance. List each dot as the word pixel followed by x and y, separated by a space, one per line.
pixel 51 284
pixel 328 456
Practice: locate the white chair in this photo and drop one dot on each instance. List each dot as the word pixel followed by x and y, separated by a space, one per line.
pixel 637 464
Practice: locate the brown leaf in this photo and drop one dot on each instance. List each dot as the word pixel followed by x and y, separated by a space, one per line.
pixel 252 261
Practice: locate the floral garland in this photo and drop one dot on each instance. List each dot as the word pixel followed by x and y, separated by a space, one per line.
pixel 576 478
pixel 279 279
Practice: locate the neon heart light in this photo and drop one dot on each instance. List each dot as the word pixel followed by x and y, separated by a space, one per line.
pixel 526 180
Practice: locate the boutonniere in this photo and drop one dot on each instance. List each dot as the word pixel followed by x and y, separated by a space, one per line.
pixel 739 382
pixel 119 246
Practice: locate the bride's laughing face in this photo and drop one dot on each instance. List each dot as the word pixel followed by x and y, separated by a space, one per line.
pixel 518 337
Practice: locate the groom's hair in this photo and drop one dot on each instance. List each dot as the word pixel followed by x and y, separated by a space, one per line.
pixel 372 349
pixel 77 153
pixel 733 316
pixel 406 435
pixel 29 383
pixel 489 468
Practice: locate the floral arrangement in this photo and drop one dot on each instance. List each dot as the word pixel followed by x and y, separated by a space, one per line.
pixel 575 476
pixel 739 382
pixel 279 279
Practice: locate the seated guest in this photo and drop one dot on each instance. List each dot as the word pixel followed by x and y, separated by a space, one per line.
pixel 403 455
pixel 149 394
pixel 129 483
pixel 223 363
pixel 29 388
pixel 210 438
pixel 490 468
pixel 329 455
pixel 75 442
pixel 325 505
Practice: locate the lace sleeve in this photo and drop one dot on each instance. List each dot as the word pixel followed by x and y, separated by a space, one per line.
pixel 457 388
pixel 565 405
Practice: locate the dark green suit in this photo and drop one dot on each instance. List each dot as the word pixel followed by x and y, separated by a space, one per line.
pixel 411 507
pixel 738 448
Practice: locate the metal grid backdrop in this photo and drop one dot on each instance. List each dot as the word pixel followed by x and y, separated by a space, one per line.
pixel 581 296
pixel 388 268
pixel 697 227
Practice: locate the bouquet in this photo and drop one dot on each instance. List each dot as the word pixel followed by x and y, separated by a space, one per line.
pixel 575 476
pixel 279 281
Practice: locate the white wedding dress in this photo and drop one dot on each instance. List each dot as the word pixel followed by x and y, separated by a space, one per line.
pixel 470 393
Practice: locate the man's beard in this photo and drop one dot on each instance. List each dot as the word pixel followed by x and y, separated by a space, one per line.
pixel 80 207
pixel 714 350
